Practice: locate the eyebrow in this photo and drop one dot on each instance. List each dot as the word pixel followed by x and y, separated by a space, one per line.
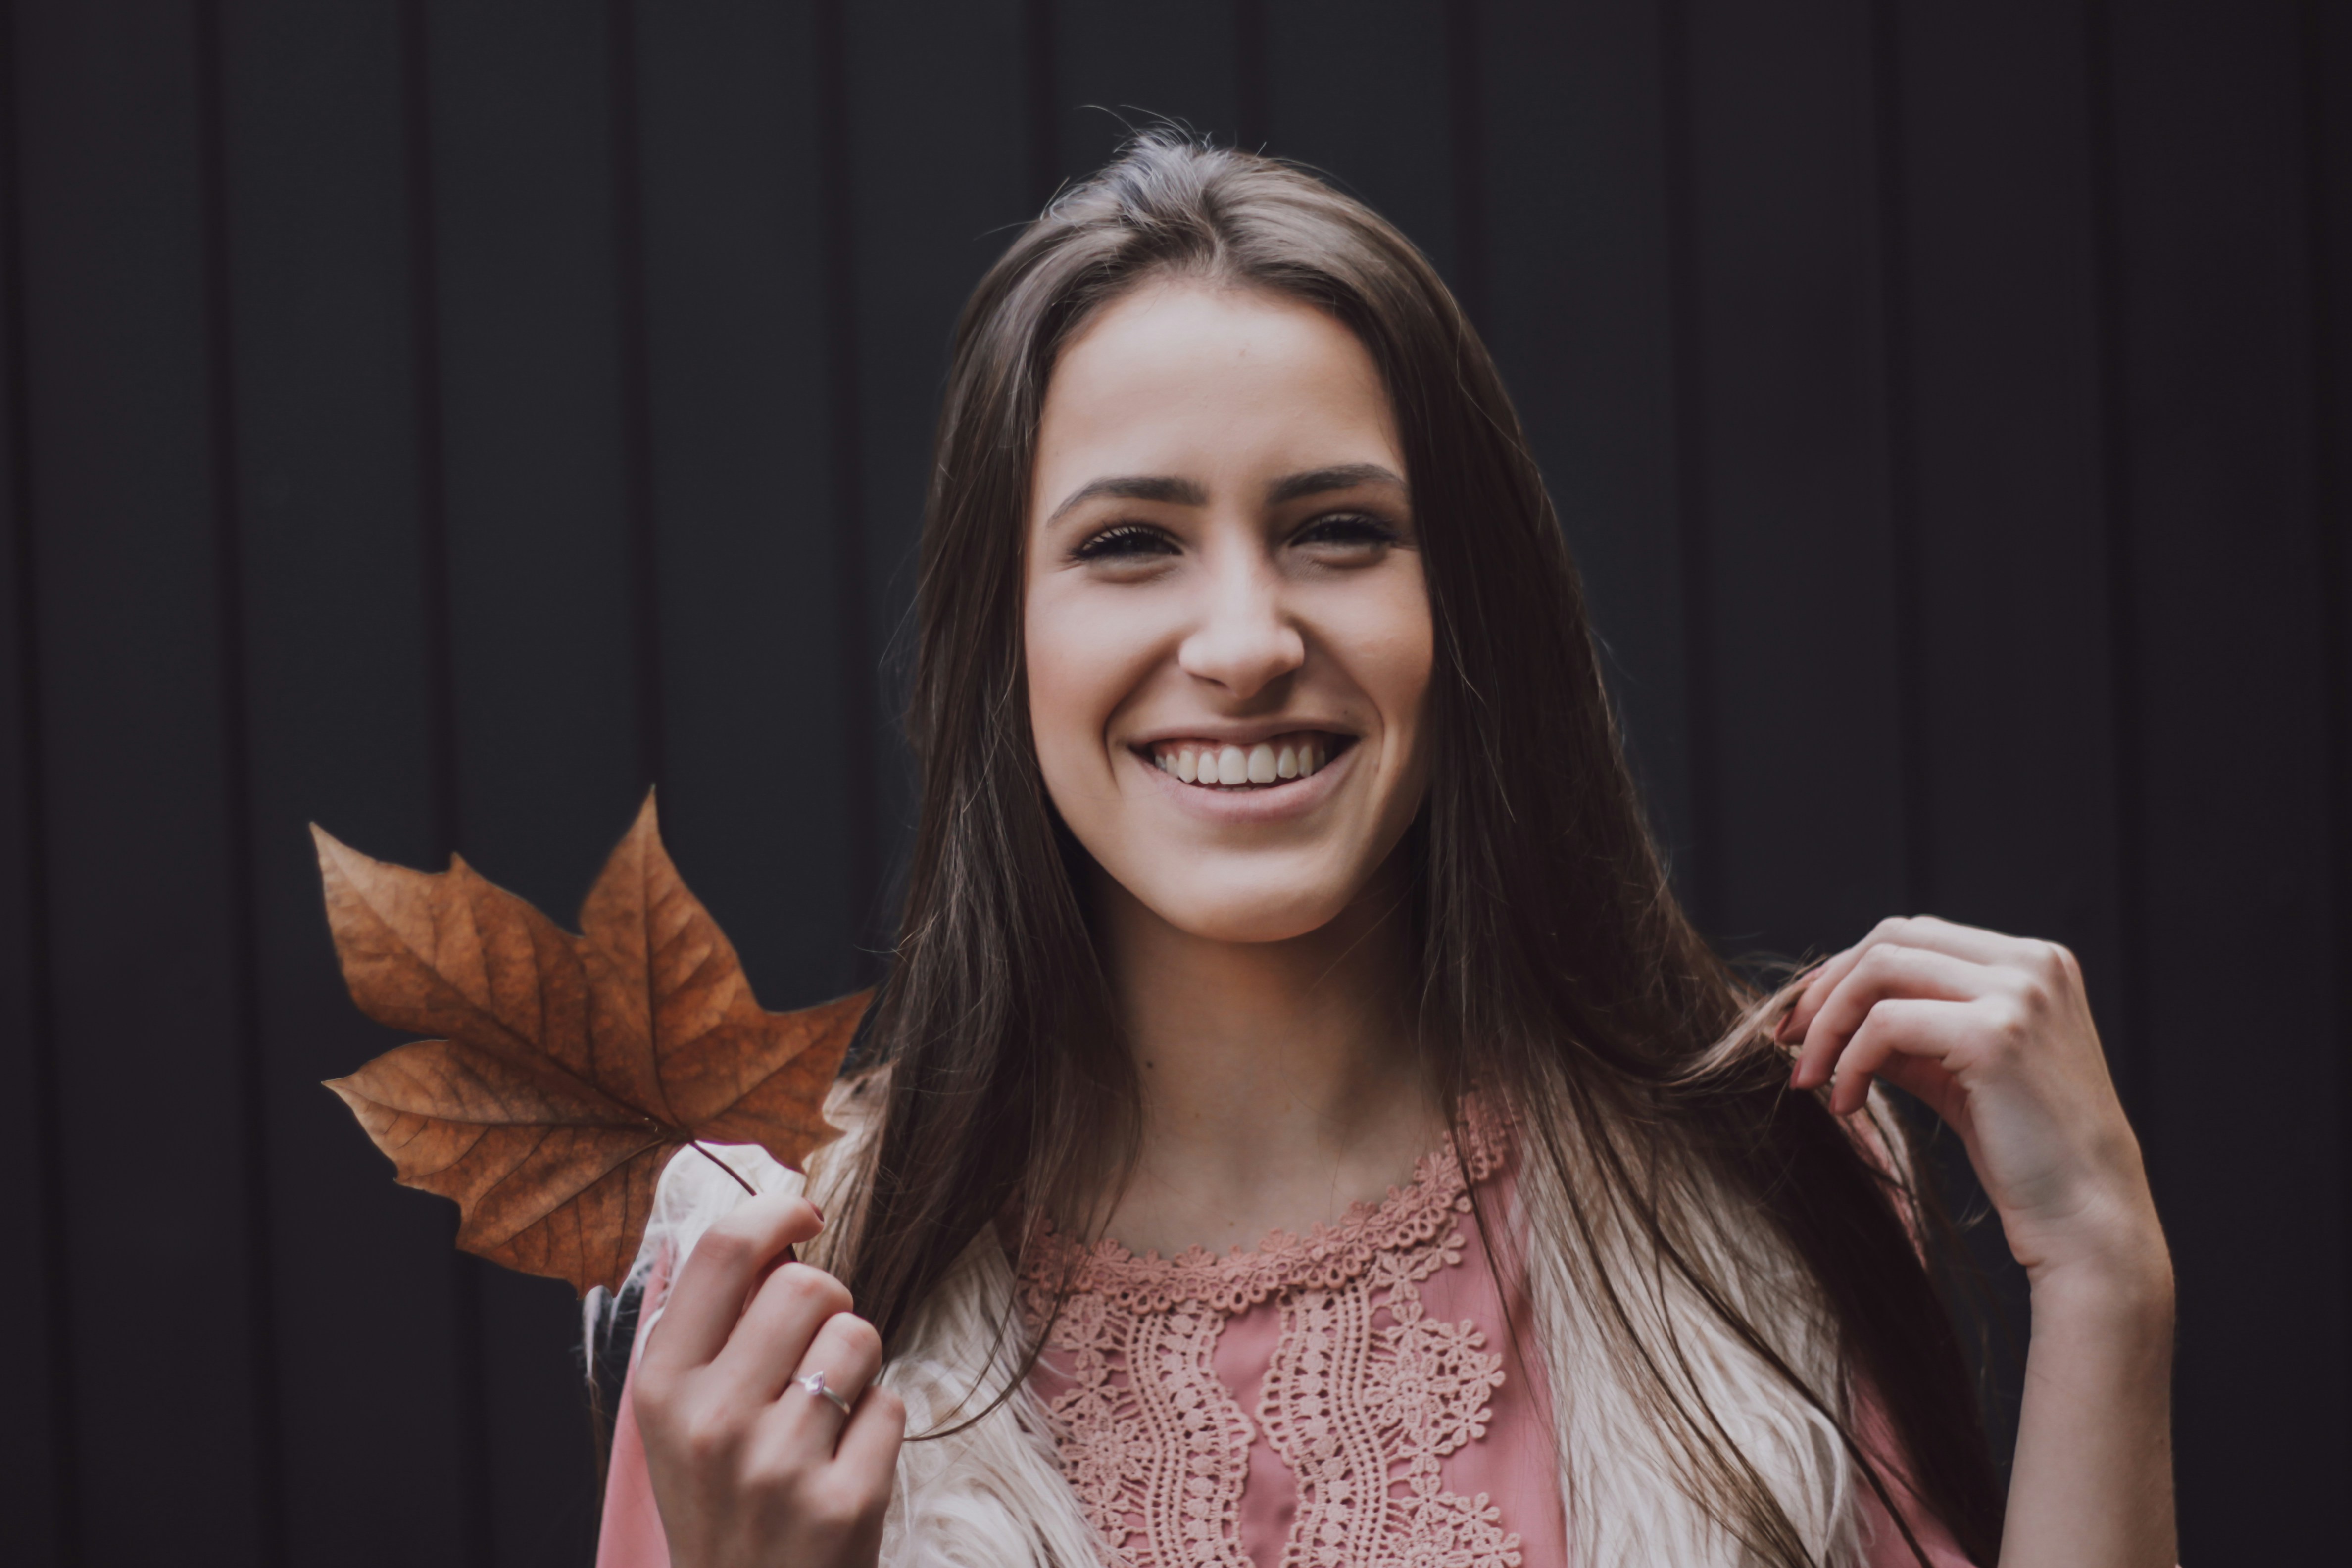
pixel 1134 486
pixel 1320 481
pixel 1176 491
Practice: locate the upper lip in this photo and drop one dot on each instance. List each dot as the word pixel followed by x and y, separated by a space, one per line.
pixel 1238 732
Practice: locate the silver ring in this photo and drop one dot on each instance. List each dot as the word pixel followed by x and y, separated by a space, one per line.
pixel 814 1384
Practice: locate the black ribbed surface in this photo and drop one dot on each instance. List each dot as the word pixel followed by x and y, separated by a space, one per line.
pixel 443 420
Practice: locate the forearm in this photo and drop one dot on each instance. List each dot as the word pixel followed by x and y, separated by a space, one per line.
pixel 2091 1484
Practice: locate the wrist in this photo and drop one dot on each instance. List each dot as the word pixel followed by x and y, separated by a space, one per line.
pixel 2103 1237
pixel 2123 1279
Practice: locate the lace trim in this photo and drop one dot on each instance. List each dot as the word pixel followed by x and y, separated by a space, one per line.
pixel 1327 1257
pixel 1162 1459
pixel 1364 1397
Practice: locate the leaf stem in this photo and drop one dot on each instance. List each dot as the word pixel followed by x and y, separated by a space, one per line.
pixel 725 1167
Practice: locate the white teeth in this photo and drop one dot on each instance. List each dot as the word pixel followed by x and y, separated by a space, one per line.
pixel 1296 756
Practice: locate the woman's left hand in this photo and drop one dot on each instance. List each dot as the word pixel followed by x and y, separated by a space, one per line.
pixel 1994 1033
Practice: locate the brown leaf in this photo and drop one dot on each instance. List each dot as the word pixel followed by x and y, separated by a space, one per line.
pixel 568 1071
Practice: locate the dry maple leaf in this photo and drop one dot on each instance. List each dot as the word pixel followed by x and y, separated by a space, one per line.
pixel 568 1071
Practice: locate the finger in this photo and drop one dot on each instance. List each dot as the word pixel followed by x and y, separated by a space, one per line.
pixel 770 1341
pixel 719 1276
pixel 1789 997
pixel 868 1454
pixel 1968 942
pixel 1907 1029
pixel 1884 973
pixel 1932 1082
pixel 1974 944
pixel 1824 979
pixel 1832 973
pixel 848 1352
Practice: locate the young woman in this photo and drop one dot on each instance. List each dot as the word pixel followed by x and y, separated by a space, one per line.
pixel 1300 1126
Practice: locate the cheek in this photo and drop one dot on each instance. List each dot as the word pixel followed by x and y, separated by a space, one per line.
pixel 1411 661
pixel 1389 648
pixel 1080 662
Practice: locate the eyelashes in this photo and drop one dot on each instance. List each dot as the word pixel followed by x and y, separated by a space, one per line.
pixel 1139 541
pixel 1354 528
pixel 1126 542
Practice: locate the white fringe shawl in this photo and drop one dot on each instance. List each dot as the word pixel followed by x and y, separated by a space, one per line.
pixel 994 1495
pixel 1633 1498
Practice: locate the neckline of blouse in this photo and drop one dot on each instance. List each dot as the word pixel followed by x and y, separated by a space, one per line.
pixel 1327 1257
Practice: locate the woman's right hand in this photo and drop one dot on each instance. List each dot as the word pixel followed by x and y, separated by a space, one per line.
pixel 747 1466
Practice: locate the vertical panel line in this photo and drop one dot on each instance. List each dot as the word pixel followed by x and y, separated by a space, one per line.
pixel 1466 132
pixel 2327 495
pixel 470 1372
pixel 2135 1071
pixel 1899 415
pixel 237 741
pixel 636 386
pixel 859 701
pixel 54 1301
pixel 1253 103
pixel 1040 59
pixel 426 411
pixel 1700 873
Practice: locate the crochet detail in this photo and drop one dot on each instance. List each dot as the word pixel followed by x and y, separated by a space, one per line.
pixel 1365 1395
pixel 1158 1461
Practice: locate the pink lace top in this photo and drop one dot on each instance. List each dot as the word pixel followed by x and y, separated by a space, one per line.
pixel 1325 1399
pixel 1342 1399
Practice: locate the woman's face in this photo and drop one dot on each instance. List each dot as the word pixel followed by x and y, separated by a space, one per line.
pixel 1228 635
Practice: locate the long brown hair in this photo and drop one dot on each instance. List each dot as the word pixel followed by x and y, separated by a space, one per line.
pixel 1558 971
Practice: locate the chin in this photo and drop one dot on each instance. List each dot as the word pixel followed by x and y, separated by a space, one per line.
pixel 1245 910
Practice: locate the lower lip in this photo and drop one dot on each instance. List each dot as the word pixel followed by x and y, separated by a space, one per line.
pixel 1266 803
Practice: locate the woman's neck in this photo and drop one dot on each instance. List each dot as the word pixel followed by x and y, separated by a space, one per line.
pixel 1280 1082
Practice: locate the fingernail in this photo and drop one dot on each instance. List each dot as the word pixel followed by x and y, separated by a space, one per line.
pixel 820 1213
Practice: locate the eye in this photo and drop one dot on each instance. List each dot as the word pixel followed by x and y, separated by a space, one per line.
pixel 1354 532
pixel 1125 541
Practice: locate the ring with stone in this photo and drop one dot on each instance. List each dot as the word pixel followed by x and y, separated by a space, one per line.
pixel 814 1384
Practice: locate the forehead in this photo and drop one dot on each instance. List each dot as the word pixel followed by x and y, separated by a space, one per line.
pixel 1199 378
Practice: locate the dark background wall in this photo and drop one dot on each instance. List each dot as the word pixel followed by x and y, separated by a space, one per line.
pixel 441 419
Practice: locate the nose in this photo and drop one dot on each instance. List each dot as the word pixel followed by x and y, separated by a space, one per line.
pixel 1243 641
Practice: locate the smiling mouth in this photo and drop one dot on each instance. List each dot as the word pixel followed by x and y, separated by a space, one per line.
pixel 1267 764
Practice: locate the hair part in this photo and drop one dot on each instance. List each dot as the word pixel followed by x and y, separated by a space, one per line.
pixel 1718 1251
